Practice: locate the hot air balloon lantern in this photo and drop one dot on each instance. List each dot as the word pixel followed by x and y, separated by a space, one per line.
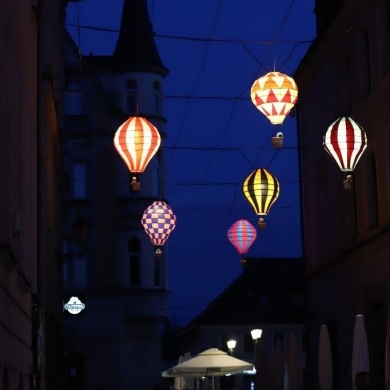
pixel 242 235
pixel 345 140
pixel 261 190
pixel 158 221
pixel 274 94
pixel 137 141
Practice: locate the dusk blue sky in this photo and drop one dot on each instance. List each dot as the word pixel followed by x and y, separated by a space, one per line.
pixel 214 51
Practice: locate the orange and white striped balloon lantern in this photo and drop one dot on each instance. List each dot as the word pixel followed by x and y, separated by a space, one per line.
pixel 137 141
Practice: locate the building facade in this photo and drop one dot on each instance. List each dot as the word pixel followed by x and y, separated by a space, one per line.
pixel 31 173
pixel 115 342
pixel 346 72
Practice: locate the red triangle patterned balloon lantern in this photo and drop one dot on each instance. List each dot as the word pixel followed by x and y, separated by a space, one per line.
pixel 274 94
pixel 158 221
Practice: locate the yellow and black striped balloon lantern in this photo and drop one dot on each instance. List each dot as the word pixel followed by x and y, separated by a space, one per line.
pixel 261 189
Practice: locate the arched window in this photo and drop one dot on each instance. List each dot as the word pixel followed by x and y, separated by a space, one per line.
pixel 134 247
pixel 156 97
pixel 132 97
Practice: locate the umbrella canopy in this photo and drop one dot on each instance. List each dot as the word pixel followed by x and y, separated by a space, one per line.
pixel 325 364
pixel 360 360
pixel 211 362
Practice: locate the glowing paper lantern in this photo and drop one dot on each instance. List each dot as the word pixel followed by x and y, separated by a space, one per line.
pixel 158 221
pixel 274 94
pixel 261 189
pixel 137 141
pixel 345 141
pixel 242 235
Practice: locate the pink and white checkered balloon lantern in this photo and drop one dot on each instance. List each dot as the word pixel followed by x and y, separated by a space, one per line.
pixel 158 221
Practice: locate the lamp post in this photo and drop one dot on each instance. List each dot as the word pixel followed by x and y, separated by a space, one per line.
pixel 231 345
pixel 256 334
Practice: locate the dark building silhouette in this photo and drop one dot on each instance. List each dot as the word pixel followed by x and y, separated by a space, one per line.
pixel 346 73
pixel 116 341
pixel 31 177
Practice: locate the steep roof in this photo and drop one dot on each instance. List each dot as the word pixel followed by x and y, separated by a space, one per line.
pixel 270 291
pixel 136 49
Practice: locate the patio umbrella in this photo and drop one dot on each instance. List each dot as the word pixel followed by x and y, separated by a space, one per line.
pixel 180 382
pixel 179 379
pixel 325 364
pixel 294 367
pixel 212 362
pixel 387 355
pixel 360 359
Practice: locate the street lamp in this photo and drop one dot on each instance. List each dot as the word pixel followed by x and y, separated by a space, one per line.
pixel 80 229
pixel 256 334
pixel 231 345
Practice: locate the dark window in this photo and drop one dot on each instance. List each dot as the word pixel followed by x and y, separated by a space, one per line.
pixel 132 97
pixel 135 262
pixel 249 346
pixel 73 98
pixel 350 217
pixel 157 267
pixel 365 66
pixel 79 180
pixel 372 192
pixel 156 97
pixel 279 335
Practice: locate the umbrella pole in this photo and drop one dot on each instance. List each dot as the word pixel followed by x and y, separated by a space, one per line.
pixel 212 378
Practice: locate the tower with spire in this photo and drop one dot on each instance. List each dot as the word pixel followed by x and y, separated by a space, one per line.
pixel 109 265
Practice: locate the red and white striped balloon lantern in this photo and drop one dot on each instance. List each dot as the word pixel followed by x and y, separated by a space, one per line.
pixel 345 140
